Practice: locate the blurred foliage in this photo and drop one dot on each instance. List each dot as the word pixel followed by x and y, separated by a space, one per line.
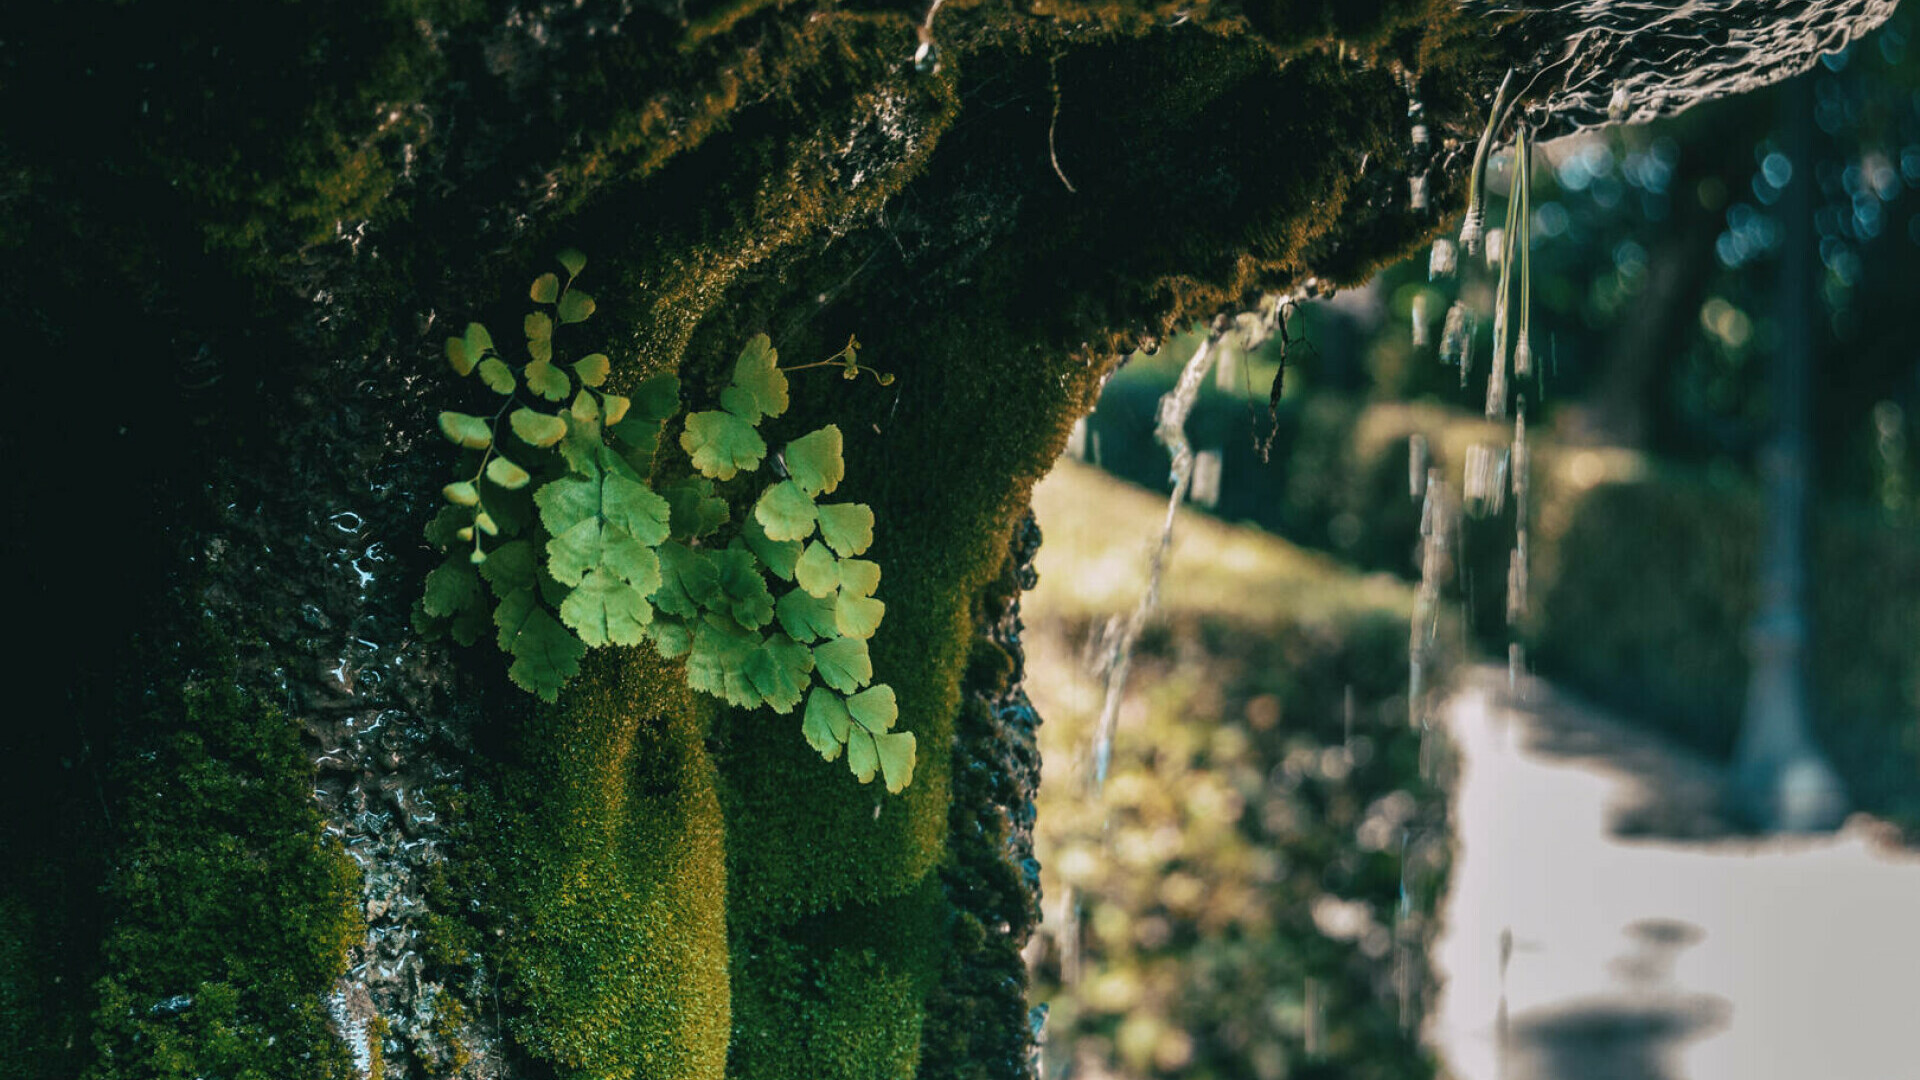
pixel 1252 892
pixel 1687 574
pixel 1654 254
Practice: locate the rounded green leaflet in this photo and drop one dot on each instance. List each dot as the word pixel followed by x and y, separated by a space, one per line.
pixel 592 368
pixel 689 580
pixel 874 708
pixel 817 571
pixel 857 616
pixel 658 398
pixel 743 591
pixel 462 493
pixel 896 752
pixel 859 576
pixel 785 512
pixel 863 758
pixel 721 444
pixel 468 431
pixel 603 521
pixel 511 568
pixel 634 507
pixel 545 653
pixel 594 545
pixel 451 589
pixel 741 403
pixel 696 510
pixel 507 474
pixel 826 723
pixel 548 381
pixel 778 555
pixel 762 384
pixel 846 527
pixel 537 428
pixel 545 290
pixel 457 356
pixel 778 670
pixel 605 610
pixel 716 663
pixel 843 664
pixel 497 375
pixel 614 408
pixel 670 636
pixel 573 261
pixel 478 341
pixel 814 460
pixel 538 326
pixel 584 408
pixel 569 501
pixel 805 617
pixel 575 306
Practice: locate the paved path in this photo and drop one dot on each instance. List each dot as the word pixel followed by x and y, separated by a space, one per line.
pixel 1645 941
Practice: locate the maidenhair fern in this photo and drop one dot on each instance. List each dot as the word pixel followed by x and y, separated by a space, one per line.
pixel 558 521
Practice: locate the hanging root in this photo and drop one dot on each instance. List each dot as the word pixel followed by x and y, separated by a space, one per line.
pixel 1475 226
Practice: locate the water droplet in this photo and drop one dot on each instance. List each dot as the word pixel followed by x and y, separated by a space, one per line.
pixel 1486 480
pixel 1456 337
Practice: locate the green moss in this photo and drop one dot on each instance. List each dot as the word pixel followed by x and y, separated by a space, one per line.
pixel 749 166
pixel 222 891
pixel 840 996
pixel 611 870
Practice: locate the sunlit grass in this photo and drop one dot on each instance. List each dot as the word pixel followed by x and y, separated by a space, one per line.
pixel 1094 561
pixel 1229 902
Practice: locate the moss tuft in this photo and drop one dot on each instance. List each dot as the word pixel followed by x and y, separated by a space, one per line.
pixel 230 915
pixel 840 996
pixel 610 867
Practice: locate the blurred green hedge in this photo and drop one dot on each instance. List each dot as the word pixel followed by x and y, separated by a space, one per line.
pixel 1647 599
pixel 1252 892
pixel 1643 577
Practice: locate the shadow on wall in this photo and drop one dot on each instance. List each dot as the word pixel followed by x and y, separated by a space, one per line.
pixel 1636 1034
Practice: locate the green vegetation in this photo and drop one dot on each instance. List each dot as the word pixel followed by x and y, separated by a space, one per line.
pixel 1642 573
pixel 1230 903
pixel 298 194
pixel 233 914
pixel 622 564
pixel 1686 570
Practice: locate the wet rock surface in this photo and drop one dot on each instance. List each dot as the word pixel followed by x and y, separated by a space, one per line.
pixel 978 1023
pixel 312 560
pixel 1611 61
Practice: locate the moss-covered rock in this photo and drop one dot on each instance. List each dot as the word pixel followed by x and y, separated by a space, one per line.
pixel 229 914
pixel 596 845
pixel 248 256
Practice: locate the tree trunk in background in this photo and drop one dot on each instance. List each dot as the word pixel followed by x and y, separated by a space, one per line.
pixel 1781 778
